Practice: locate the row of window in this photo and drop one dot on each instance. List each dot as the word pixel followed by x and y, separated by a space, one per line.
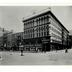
pixel 42 34
pixel 56 36
pixel 37 29
pixel 56 26
pixel 56 31
pixel 64 35
pixel 55 23
pixel 59 29
pixel 29 36
pixel 55 41
pixel 34 35
pixel 52 32
pixel 36 22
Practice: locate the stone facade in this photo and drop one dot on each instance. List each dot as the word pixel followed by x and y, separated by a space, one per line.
pixel 44 32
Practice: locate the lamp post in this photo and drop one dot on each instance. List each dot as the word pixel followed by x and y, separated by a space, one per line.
pixel 66 50
pixel 21 52
pixel 21 47
pixel 3 39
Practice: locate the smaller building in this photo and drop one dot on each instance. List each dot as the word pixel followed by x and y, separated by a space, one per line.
pixel 15 39
pixel 10 40
pixel 3 38
pixel 70 39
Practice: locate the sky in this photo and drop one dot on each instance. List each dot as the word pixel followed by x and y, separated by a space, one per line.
pixel 11 16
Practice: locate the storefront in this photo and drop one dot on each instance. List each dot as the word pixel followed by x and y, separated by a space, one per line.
pixel 46 44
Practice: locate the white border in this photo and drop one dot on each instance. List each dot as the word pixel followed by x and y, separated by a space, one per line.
pixel 36 68
pixel 35 2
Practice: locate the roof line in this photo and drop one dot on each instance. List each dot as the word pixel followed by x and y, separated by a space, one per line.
pixel 58 21
pixel 46 13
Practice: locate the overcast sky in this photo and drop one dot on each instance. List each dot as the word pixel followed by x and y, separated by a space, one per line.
pixel 11 16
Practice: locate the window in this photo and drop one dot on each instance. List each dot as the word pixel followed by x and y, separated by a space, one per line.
pixel 31 35
pixel 44 28
pixel 39 29
pixel 41 20
pixel 47 27
pixel 39 34
pixel 42 34
pixel 45 20
pixel 33 22
pixel 47 33
pixel 37 22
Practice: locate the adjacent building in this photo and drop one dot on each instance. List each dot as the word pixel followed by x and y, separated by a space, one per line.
pixel 44 32
pixel 17 39
pixel 3 37
pixel 10 40
pixel 70 38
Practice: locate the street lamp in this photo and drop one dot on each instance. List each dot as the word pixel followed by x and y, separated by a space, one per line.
pixel 21 47
pixel 3 38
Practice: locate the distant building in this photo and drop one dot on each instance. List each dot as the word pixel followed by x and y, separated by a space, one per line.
pixel 2 31
pixel 9 40
pixel 3 37
pixel 44 32
pixel 16 38
pixel 70 38
pixel 70 41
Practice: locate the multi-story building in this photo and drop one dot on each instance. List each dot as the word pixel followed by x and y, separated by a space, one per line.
pixel 16 39
pixel 70 39
pixel 11 40
pixel 3 37
pixel 44 32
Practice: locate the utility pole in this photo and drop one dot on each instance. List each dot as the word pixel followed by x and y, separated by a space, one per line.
pixel 66 51
pixel 3 39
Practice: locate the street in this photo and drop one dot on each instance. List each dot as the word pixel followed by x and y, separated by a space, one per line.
pixel 48 58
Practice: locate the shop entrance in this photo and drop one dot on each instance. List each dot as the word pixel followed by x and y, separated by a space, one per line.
pixel 46 44
pixel 46 47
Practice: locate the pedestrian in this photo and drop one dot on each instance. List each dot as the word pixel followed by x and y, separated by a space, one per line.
pixel 21 52
pixel 11 52
pixel 66 50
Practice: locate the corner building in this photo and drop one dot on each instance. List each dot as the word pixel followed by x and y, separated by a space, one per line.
pixel 44 32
